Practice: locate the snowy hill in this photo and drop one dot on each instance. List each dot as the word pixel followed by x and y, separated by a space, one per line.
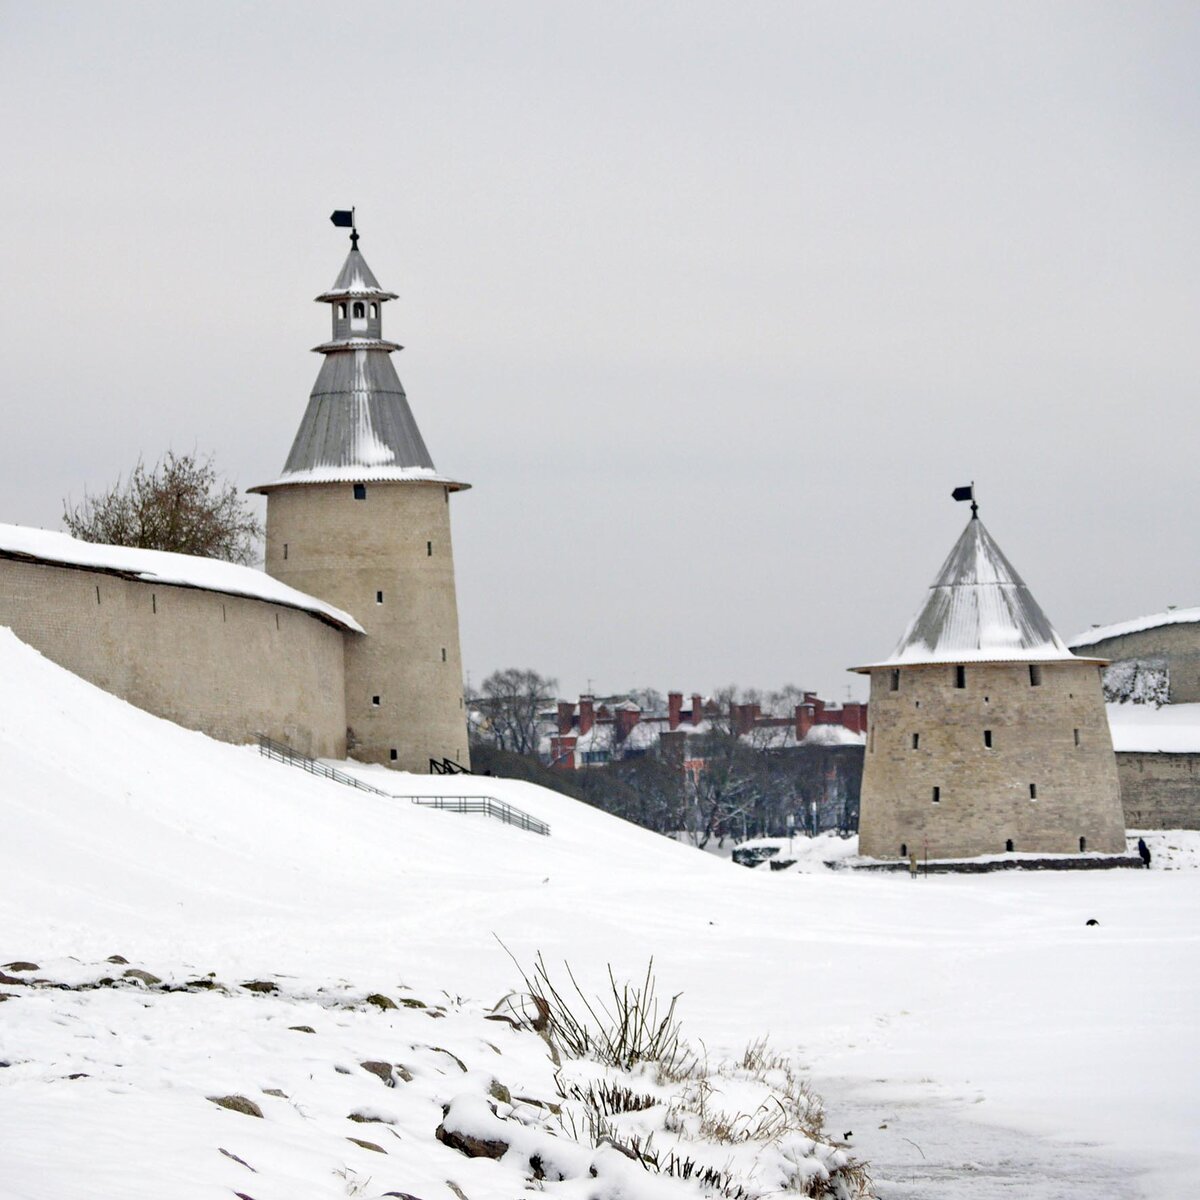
pixel 978 1019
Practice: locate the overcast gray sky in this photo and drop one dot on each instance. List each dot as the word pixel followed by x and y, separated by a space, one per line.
pixel 712 303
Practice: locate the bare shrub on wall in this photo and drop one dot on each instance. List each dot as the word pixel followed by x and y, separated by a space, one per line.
pixel 180 504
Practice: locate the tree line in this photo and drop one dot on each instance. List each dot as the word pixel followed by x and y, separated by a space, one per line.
pixel 746 787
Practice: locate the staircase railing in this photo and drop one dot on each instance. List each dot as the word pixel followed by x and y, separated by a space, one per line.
pixel 488 805
pixel 280 752
pixel 485 804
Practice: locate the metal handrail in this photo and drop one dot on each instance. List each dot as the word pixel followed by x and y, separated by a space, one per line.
pixel 485 804
pixel 488 805
pixel 284 753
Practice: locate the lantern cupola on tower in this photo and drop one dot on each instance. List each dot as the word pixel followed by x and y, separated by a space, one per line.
pixel 358 425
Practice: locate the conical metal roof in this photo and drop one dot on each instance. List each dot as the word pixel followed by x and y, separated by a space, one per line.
pixel 358 425
pixel 355 280
pixel 978 610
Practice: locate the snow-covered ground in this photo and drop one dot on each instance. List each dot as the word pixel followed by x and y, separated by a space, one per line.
pixel 972 1036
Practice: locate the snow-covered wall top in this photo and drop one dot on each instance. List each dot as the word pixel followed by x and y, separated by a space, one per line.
pixel 978 610
pixel 161 566
pixel 1148 729
pixel 1174 616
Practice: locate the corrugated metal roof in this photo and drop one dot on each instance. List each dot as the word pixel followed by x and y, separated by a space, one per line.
pixel 978 610
pixel 356 279
pixel 358 425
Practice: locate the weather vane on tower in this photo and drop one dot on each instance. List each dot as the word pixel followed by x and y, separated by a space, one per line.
pixel 968 493
pixel 344 219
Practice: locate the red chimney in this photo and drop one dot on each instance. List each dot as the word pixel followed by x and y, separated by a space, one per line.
pixel 566 716
pixel 674 709
pixel 587 714
pixel 626 719
pixel 697 708
pixel 804 719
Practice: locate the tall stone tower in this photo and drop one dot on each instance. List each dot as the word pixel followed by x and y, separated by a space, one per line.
pixel 986 733
pixel 360 517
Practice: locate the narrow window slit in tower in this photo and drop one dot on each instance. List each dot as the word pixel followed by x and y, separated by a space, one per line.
pixel 276 620
pixel 903 849
pixel 916 741
pixel 987 738
pixel 1083 845
pixel 392 754
pixel 960 677
pixel 1033 791
pixel 285 550
pixel 937 795
pixel 378 597
pixel 443 654
pixel 894 681
pixel 153 602
pixel 97 593
pixel 1008 846
pixel 1035 675
pixel 360 491
pixel 223 616
pixel 428 549
pixel 1076 732
pixel 375 701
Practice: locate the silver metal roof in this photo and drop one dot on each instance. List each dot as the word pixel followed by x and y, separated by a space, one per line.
pixel 358 425
pixel 356 279
pixel 978 610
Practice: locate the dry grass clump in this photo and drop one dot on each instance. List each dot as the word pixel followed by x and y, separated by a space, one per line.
pixel 756 1111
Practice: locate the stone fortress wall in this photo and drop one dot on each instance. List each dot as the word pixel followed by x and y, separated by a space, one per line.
pixel 1160 789
pixel 225 665
pixel 928 733
pixel 1175 647
pixel 404 700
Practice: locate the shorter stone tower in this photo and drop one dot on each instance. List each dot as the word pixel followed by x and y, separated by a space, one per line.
pixel 360 518
pixel 986 733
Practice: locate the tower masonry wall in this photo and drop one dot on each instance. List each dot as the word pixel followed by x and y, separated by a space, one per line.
pixel 386 558
pixel 228 666
pixel 1176 646
pixel 1053 736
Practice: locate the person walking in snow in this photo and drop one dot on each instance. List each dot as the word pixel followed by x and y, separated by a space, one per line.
pixel 1144 851
pixel 912 864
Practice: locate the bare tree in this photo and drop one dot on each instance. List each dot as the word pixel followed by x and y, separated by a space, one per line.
pixel 510 701
pixel 180 504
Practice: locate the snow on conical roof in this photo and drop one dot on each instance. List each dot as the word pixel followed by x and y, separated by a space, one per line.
pixel 356 279
pixel 358 426
pixel 978 610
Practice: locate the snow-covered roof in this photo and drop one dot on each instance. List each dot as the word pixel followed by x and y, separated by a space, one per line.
pixel 355 280
pixel 161 566
pixel 1173 616
pixel 1171 729
pixel 978 610
pixel 358 474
